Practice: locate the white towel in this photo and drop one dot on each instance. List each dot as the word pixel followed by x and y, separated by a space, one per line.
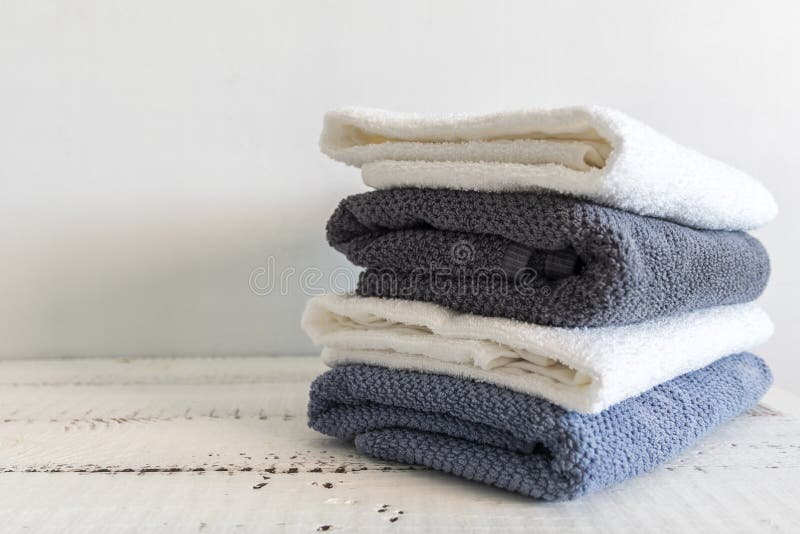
pixel 583 369
pixel 590 152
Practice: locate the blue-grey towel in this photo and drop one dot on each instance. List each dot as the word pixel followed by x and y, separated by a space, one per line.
pixel 539 257
pixel 522 443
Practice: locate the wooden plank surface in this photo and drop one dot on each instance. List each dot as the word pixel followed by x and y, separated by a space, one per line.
pixel 219 445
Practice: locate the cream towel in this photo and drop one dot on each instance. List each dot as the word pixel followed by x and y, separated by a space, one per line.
pixel 583 369
pixel 590 152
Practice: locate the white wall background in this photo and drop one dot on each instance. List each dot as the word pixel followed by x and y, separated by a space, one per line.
pixel 154 153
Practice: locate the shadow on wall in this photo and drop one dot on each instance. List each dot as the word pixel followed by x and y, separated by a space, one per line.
pixel 197 280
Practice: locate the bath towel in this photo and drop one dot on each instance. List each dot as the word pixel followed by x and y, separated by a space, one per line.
pixel 581 369
pixel 540 257
pixel 522 443
pixel 590 152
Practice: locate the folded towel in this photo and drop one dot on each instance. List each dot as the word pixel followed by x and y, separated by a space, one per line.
pixel 522 443
pixel 591 152
pixel 540 257
pixel 582 369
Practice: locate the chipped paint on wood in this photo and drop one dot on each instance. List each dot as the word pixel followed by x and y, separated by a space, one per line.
pixel 125 442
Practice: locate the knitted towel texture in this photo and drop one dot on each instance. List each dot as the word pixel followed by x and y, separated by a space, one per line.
pixel 522 443
pixel 540 257
pixel 591 152
pixel 582 369
pixel 553 301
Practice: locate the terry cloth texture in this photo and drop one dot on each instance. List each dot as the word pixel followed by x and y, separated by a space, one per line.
pixel 582 369
pixel 522 443
pixel 589 152
pixel 587 265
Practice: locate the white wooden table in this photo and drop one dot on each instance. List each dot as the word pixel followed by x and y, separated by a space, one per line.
pixel 221 445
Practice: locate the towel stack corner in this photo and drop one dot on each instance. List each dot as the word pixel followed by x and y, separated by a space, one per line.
pixel 552 301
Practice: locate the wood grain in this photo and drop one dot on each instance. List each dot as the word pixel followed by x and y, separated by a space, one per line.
pixel 219 445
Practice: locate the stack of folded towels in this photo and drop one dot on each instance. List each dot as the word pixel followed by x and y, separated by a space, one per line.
pixel 552 302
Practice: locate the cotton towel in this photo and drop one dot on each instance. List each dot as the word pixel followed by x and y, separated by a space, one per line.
pixel 582 369
pixel 590 152
pixel 540 257
pixel 522 443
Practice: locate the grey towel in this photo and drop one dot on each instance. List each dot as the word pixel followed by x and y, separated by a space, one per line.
pixel 539 257
pixel 522 443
